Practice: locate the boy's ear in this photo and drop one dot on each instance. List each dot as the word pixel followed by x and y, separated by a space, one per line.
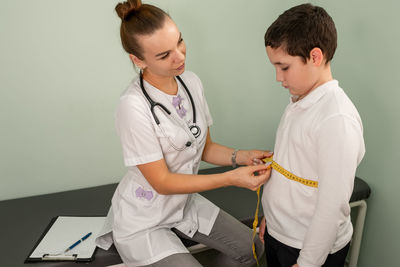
pixel 138 62
pixel 316 56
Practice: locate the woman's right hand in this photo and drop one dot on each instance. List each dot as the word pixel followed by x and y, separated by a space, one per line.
pixel 245 177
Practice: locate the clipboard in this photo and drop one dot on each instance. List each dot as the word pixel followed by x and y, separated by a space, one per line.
pixel 61 232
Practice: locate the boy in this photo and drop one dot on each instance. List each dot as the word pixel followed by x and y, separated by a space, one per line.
pixel 320 138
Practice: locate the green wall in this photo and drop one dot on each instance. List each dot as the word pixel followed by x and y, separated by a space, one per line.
pixel 62 69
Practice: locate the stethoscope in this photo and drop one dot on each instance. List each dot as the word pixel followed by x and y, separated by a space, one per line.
pixel 194 129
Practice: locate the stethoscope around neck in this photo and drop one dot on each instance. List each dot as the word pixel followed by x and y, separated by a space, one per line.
pixel 194 129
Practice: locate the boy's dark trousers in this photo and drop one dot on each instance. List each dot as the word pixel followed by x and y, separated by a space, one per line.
pixel 281 255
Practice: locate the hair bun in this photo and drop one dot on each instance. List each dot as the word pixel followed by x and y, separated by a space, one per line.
pixel 126 8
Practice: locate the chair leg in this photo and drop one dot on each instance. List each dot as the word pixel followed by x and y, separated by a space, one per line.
pixel 358 231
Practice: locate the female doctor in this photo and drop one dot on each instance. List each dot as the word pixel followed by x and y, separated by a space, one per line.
pixel 163 123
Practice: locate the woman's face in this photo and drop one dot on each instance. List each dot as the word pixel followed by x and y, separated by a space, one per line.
pixel 164 51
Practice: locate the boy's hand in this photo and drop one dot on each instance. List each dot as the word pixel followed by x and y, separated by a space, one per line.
pixel 261 229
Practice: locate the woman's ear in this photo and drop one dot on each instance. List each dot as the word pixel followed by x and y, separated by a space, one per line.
pixel 316 56
pixel 138 62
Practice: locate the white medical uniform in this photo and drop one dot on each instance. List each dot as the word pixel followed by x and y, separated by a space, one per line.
pixel 140 218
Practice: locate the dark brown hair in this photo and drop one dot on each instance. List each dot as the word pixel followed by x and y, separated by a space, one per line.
pixel 300 29
pixel 138 19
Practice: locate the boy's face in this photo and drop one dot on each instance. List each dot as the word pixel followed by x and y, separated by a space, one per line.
pixel 299 77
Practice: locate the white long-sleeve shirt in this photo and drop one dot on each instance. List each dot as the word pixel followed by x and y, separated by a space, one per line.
pixel 320 138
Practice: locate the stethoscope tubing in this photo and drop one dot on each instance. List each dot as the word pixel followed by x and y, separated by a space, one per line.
pixel 153 104
pixel 194 129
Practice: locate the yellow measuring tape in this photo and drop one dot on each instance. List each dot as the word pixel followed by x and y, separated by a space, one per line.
pixel 255 223
pixel 288 175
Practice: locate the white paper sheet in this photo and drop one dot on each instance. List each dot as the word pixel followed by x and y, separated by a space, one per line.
pixel 65 231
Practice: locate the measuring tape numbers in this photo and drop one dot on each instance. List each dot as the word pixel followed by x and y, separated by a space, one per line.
pixel 290 175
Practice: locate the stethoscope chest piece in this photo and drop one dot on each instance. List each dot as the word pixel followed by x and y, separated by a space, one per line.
pixel 195 130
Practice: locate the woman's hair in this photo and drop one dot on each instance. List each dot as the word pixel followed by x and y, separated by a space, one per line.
pixel 138 19
pixel 301 28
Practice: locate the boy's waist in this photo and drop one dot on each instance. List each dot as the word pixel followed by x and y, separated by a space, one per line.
pixel 297 240
pixel 289 208
pixel 288 198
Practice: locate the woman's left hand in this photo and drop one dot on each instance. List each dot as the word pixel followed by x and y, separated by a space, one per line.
pixel 252 157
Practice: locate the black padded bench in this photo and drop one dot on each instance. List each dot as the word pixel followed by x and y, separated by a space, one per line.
pixel 23 220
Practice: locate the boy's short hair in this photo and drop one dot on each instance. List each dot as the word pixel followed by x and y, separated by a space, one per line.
pixel 301 28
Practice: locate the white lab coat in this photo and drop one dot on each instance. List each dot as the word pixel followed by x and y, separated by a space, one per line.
pixel 140 219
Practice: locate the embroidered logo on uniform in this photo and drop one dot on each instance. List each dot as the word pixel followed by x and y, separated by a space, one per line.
pixel 177 103
pixel 140 192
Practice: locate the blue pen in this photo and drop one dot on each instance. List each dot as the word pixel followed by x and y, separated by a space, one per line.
pixel 78 242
